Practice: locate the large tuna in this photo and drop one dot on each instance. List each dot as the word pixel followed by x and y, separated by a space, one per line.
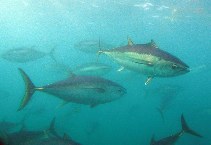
pixel 147 59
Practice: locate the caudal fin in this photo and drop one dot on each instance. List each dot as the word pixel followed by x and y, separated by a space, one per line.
pixel 52 128
pixel 186 128
pixel 30 89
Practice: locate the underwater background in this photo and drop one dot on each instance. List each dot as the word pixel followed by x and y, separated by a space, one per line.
pixel 182 28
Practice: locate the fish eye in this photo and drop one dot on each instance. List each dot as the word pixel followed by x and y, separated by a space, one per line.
pixel 174 66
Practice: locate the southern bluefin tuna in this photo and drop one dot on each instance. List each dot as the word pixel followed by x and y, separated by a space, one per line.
pixel 92 69
pixel 91 46
pixel 147 59
pixel 23 55
pixel 24 137
pixel 56 140
pixel 171 140
pixel 87 69
pixel 88 90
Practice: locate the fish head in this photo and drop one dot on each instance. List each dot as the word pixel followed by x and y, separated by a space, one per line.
pixel 170 66
pixel 175 68
pixel 117 90
pixel 113 91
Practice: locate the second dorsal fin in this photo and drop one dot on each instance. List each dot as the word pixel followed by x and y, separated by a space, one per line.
pixel 129 41
pixel 153 44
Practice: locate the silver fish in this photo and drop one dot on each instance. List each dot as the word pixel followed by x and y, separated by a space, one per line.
pixel 23 55
pixel 88 90
pixel 92 69
pixel 147 59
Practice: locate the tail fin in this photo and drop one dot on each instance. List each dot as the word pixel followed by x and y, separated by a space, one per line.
pixel 186 129
pixel 30 89
pixel 52 128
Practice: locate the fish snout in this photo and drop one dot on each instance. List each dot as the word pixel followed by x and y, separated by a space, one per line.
pixel 122 91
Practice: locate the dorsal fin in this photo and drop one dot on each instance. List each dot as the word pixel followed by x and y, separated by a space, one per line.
pixel 153 44
pixel 129 41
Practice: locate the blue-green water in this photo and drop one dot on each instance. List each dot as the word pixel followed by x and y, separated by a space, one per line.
pixel 182 28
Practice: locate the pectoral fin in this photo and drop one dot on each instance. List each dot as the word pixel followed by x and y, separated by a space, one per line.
pixel 149 79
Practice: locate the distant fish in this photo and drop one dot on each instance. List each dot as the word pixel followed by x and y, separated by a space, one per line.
pixel 65 140
pixel 87 69
pixel 147 59
pixel 167 94
pixel 91 46
pixel 24 137
pixel 23 55
pixel 88 90
pixel 171 140
pixel 7 126
pixel 92 69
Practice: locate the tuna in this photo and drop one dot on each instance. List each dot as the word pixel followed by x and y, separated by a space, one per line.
pixel 147 59
pixel 91 46
pixel 171 140
pixel 88 90
pixel 92 69
pixel 23 55
pixel 23 137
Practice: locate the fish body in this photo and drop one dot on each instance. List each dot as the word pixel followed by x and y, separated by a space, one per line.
pixel 88 90
pixel 53 141
pixel 7 126
pixel 92 69
pixel 171 140
pixel 23 55
pixel 23 137
pixel 147 59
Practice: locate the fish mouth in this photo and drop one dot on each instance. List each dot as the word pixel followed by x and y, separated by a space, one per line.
pixel 185 69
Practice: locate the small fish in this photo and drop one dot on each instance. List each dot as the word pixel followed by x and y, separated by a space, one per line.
pixel 171 140
pixel 91 46
pixel 92 69
pixel 147 59
pixel 87 69
pixel 88 90
pixel 23 55
pixel 167 94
